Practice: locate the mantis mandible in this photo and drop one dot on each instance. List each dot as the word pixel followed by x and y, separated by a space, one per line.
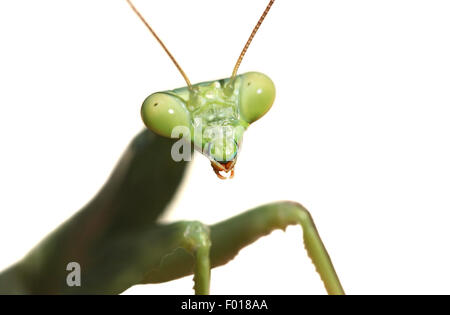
pixel 116 238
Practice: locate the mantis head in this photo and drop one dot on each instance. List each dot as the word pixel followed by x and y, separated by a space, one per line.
pixel 212 115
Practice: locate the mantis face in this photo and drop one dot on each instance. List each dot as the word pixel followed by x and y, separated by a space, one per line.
pixel 215 114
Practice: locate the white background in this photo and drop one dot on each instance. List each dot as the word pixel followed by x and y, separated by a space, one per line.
pixel 359 132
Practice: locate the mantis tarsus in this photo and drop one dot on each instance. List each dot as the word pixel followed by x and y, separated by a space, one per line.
pixel 122 244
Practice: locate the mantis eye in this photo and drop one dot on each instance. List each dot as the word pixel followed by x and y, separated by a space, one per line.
pixel 163 112
pixel 256 96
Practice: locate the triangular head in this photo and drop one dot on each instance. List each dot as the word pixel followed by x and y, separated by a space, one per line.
pixel 215 114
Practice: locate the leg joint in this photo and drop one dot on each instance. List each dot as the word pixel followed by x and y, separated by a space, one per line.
pixel 195 235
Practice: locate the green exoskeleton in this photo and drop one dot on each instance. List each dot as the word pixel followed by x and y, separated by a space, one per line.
pixel 117 240
pixel 212 115
pixel 220 110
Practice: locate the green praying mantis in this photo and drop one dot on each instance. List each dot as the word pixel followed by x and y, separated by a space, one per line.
pixel 117 239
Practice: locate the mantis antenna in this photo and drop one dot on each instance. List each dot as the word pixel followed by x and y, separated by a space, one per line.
pixel 255 29
pixel 161 43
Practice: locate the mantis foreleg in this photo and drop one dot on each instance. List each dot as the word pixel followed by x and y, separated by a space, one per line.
pixel 230 236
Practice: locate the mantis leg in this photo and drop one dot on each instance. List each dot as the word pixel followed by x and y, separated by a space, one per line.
pixel 230 236
pixel 158 254
pixel 196 240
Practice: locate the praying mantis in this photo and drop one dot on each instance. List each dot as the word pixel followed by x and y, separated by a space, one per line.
pixel 123 244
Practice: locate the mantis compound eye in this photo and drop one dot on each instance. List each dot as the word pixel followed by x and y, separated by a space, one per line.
pixel 256 96
pixel 162 112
